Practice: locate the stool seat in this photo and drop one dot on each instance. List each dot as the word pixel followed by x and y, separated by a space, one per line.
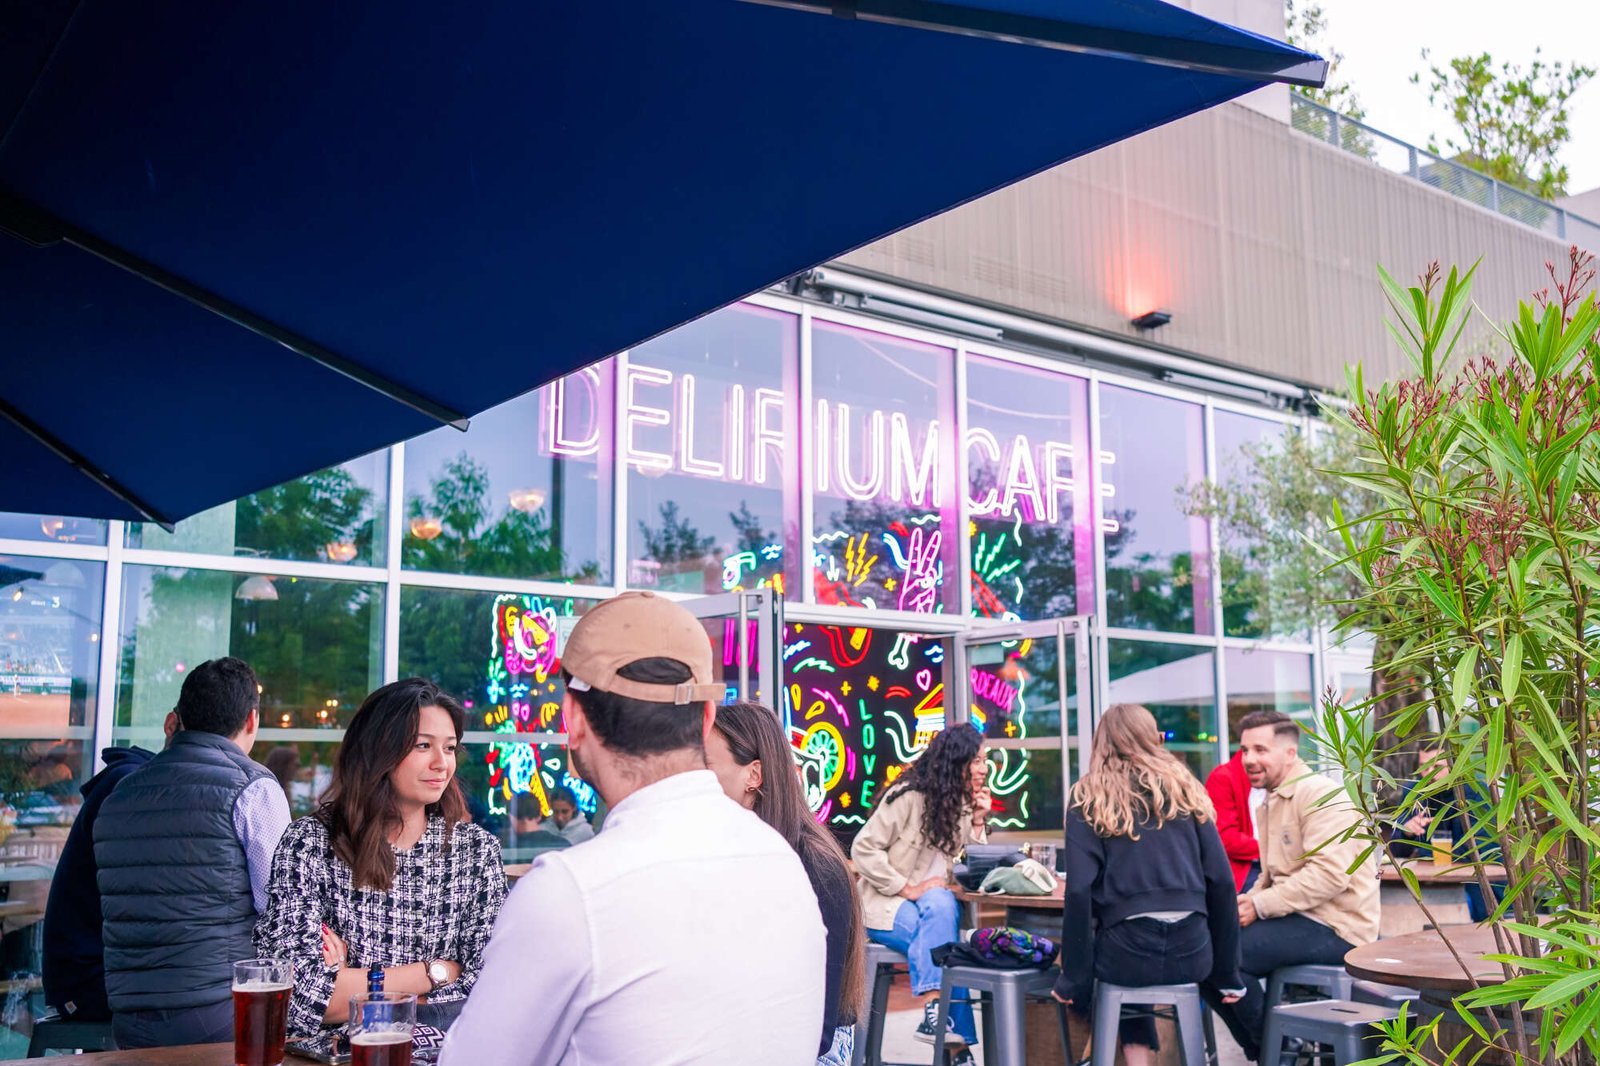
pixel 1109 999
pixel 1381 995
pixel 1004 1024
pixel 1344 1025
pixel 1334 982
pixel 65 1034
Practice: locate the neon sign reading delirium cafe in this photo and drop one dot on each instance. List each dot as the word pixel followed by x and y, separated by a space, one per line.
pixel 862 455
pixel 523 686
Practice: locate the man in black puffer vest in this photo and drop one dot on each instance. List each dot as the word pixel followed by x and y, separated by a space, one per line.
pixel 184 848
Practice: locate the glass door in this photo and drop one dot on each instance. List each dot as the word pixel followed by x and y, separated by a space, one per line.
pixel 1028 688
pixel 743 627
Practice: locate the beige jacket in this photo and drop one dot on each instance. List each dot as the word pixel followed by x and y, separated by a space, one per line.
pixel 1294 821
pixel 890 853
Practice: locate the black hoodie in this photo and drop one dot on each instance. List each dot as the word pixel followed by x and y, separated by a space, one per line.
pixel 74 956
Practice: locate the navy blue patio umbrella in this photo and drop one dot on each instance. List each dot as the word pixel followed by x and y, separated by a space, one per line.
pixel 246 240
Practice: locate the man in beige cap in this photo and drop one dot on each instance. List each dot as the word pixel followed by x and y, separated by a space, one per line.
pixel 687 931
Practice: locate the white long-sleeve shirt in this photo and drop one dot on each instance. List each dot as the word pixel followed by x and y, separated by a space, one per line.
pixel 686 934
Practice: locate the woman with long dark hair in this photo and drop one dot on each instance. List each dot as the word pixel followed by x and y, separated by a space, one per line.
pixel 389 871
pixel 1150 893
pixel 752 759
pixel 903 857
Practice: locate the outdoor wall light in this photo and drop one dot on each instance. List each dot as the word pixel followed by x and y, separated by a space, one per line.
pixel 1153 319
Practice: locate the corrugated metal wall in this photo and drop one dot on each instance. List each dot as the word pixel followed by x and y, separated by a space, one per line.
pixel 1262 242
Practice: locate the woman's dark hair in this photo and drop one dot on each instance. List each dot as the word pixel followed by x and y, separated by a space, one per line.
pixel 753 732
pixel 359 808
pixel 941 776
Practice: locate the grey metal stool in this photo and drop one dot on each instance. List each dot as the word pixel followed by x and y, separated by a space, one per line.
pixel 1185 1001
pixel 1334 982
pixel 1004 1025
pixel 64 1034
pixel 1339 1023
pixel 1381 995
pixel 881 963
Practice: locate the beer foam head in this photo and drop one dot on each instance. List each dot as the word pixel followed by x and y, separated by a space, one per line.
pixel 369 1039
pixel 261 986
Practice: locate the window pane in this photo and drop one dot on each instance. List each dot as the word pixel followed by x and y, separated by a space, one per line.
pixel 1027 788
pixel 1178 684
pixel 49 669
pixel 1260 680
pixel 709 421
pixel 1027 441
pixel 881 476
pixel 500 653
pixel 1246 575
pixel 861 702
pixel 525 492
pixel 305 767
pixel 1157 562
pixel 61 529
pixel 315 645
pixel 333 516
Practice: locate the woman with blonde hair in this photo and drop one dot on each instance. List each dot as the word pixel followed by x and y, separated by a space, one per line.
pixel 1150 897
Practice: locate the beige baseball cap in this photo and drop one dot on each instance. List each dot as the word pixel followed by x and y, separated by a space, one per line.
pixel 634 626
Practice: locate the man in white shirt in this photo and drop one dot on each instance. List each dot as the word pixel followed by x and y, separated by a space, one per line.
pixel 687 932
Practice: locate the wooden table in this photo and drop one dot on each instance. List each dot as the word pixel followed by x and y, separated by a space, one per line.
pixel 1040 915
pixel 197 1055
pixel 514 871
pixel 1422 961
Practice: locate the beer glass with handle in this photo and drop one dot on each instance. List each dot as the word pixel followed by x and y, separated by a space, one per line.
pixel 261 990
pixel 380 1028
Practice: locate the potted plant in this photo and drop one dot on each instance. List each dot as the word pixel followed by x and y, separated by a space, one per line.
pixel 1478 573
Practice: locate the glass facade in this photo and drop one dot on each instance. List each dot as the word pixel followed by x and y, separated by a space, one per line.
pixel 898 489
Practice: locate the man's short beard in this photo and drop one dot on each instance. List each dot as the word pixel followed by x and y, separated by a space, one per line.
pixel 577 766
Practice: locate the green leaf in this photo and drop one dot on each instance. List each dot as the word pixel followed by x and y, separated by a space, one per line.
pixel 1564 989
pixel 1441 599
pixel 1461 684
pixel 1511 666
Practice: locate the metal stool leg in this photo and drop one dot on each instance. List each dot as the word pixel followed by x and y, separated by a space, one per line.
pixel 1008 1033
pixel 1211 1035
pixel 1272 1039
pixel 942 1023
pixel 1191 1030
pixel 1107 1019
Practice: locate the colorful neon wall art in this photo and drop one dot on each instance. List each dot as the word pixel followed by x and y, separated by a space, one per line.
pixel 523 687
pixel 861 704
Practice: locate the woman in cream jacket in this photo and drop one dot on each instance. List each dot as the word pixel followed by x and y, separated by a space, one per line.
pixel 903 857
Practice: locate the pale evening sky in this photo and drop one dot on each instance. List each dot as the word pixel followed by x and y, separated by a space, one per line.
pixel 1382 42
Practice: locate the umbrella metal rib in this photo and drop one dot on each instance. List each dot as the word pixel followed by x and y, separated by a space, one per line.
pixel 31 224
pixel 1203 57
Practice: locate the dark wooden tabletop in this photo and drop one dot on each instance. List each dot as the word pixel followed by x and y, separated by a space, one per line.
pixel 1422 961
pixel 197 1055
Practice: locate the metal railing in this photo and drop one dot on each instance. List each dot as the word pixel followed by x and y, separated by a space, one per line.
pixel 1459 181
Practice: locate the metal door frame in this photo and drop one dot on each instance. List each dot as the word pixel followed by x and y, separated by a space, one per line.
pixel 1081 629
pixel 765 608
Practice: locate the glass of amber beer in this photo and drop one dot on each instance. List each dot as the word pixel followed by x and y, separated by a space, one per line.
pixel 261 990
pixel 380 1028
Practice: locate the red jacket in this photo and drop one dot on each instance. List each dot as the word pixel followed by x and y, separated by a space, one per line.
pixel 1230 794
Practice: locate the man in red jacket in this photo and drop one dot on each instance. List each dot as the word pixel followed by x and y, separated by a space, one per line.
pixel 1230 794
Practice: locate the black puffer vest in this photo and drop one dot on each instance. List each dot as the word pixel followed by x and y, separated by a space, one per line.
pixel 174 884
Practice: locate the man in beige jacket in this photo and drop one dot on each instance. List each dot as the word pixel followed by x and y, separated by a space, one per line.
pixel 1307 907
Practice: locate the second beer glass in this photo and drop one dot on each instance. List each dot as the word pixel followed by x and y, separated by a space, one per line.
pixel 380 1028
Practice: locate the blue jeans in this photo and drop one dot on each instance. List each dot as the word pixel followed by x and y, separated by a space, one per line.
pixel 920 925
pixel 843 1048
